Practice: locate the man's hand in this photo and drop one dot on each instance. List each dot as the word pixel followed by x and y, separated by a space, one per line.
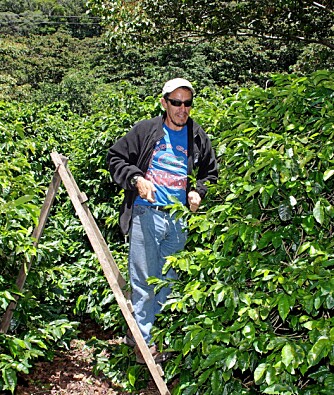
pixel 146 189
pixel 194 200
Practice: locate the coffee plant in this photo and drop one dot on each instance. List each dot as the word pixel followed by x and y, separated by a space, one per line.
pixel 251 312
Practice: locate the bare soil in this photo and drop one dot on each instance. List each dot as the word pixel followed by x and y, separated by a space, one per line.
pixel 70 372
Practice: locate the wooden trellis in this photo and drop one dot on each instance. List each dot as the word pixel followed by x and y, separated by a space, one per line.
pixel 110 269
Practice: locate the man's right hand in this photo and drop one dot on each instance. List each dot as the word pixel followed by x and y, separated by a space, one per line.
pixel 146 189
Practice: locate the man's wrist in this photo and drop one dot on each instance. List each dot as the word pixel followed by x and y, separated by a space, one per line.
pixel 134 181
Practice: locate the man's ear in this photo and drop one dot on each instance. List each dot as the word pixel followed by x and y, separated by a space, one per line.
pixel 164 103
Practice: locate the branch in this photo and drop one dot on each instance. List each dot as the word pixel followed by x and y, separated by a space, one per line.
pixel 324 7
pixel 296 38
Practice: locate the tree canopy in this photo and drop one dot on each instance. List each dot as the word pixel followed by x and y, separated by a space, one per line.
pixel 173 21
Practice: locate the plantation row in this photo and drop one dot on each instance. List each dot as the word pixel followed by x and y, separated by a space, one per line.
pixel 251 312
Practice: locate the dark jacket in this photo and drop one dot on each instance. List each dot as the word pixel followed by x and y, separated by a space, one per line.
pixel 130 156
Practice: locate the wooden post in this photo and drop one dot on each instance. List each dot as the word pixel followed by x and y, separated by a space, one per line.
pixel 37 233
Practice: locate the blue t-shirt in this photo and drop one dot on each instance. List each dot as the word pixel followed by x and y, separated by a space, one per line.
pixel 168 168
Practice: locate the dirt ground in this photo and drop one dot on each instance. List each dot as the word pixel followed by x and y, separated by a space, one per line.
pixel 70 373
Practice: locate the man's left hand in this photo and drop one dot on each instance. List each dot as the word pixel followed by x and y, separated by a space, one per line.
pixel 194 200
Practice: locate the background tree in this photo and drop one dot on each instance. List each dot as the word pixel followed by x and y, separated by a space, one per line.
pixel 174 21
pixel 140 49
pixel 215 43
pixel 46 17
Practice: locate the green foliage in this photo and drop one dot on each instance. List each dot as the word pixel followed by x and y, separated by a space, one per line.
pixel 227 62
pixel 314 57
pixel 58 67
pixel 66 278
pixel 118 364
pixel 166 21
pixel 19 192
pixel 38 325
pixel 212 42
pixel 252 310
pixel 45 59
pixel 17 354
pixel 50 67
pixel 25 18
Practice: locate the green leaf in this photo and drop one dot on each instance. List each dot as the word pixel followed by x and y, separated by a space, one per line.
pixel 271 376
pixel 10 378
pixel 196 340
pixel 249 331
pixel 21 367
pixel 23 199
pixel 279 389
pixel 328 173
pixel 303 248
pixel 197 294
pixel 215 355
pixel 259 373
pixel 318 212
pixel 291 126
pixel 329 382
pixel 319 350
pixel 132 375
pixel 5 298
pixel 205 375
pixel 265 197
pixel 231 360
pixel 265 239
pixel 287 354
pixel 284 306
pixel 216 382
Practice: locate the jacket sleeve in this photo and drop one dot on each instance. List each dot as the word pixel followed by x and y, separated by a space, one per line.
pixel 206 164
pixel 122 159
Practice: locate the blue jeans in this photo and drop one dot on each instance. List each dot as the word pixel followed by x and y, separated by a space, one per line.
pixel 154 235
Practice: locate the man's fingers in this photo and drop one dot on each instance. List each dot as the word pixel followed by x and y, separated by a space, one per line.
pixel 194 200
pixel 146 190
pixel 193 207
pixel 150 196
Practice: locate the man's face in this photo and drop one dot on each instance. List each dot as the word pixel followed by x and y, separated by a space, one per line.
pixel 177 116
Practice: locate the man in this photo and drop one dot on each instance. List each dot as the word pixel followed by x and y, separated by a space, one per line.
pixel 152 163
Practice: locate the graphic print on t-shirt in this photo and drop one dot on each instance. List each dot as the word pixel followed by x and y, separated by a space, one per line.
pixel 168 167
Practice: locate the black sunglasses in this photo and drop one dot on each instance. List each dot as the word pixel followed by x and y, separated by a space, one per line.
pixel 178 103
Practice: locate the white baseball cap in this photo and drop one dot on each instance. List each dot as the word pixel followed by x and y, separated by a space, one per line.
pixel 171 85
